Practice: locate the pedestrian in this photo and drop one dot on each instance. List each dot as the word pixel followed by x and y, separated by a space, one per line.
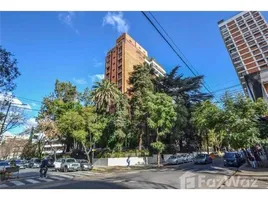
pixel 258 159
pixel 44 168
pixel 252 160
pixel 128 161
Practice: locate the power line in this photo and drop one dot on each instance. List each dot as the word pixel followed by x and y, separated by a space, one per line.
pixel 173 49
pixel 237 85
pixel 27 99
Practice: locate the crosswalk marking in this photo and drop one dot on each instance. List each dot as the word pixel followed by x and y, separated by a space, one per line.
pixel 66 176
pixel 32 181
pixel 45 179
pixel 17 183
pixel 57 178
pixel 3 186
pixel 118 181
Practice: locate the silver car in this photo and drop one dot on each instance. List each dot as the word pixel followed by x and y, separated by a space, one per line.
pixel 69 164
pixel 174 160
pixel 203 159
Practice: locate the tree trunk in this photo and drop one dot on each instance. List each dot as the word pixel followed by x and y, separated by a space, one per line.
pixel 158 152
pixel 207 143
pixel 140 139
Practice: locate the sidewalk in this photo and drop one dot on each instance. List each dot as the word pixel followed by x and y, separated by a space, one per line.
pixel 246 170
pixel 110 169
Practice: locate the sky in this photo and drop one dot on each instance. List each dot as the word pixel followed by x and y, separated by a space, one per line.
pixel 71 46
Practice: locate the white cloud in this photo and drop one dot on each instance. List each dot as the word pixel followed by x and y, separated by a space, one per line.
pixel 80 81
pixel 117 21
pixel 15 101
pixel 68 19
pixel 96 77
pixel 30 123
pixel 34 104
pixel 96 63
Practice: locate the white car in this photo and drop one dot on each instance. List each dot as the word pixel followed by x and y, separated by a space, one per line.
pixel 174 160
pixel 57 164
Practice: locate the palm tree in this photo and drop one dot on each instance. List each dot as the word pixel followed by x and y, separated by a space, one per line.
pixel 105 95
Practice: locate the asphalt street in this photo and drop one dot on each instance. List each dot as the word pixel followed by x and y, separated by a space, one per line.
pixel 183 176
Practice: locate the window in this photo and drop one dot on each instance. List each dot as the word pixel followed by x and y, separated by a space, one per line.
pixel 258 18
pixel 261 22
pixel 245 30
pixel 245 15
pixel 236 59
pixel 255 14
pixel 249 38
pixel 229 42
pixel 228 39
pixel 257 35
pixel 263 26
pixel 232 51
pixel 226 35
pixel 256 52
pixel 246 34
pixel 261 62
pixel 238 65
pixel 262 44
pixel 251 43
pixel 223 27
pixel 120 61
pixel 264 48
pixel 253 26
pixel 120 75
pixel 243 26
pixel 241 22
pixel 231 46
pixel 258 57
pixel 239 18
pixel 255 30
pixel 250 22
pixel 234 55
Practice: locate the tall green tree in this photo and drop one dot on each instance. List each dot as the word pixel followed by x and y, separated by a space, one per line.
pixel 105 96
pixel 141 84
pixel 186 92
pixel 161 118
pixel 8 71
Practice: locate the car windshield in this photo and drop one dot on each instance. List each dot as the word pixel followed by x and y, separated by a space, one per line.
pixel 172 157
pixel 37 161
pixel 83 161
pixel 229 155
pixel 18 162
pixel 201 156
pixel 70 160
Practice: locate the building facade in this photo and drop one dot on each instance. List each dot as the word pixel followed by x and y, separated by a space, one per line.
pixel 120 61
pixel 246 38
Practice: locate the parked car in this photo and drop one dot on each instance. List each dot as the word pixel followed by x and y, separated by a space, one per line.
pixel 190 158
pixel 69 164
pixel 84 165
pixel 233 159
pixel 174 160
pixel 57 164
pixel 202 159
pixel 3 165
pixel 27 163
pixel 20 163
pixel 35 163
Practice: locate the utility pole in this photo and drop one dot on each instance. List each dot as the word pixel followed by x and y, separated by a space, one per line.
pixel 5 118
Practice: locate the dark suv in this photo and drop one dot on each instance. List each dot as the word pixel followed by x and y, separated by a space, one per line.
pixel 233 159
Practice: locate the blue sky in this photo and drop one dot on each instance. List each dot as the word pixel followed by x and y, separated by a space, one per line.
pixel 71 46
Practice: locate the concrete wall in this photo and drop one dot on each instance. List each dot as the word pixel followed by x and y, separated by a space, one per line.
pixel 120 161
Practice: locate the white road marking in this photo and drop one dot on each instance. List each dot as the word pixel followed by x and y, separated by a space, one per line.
pixel 45 179
pixel 58 178
pixel 134 172
pixel 66 176
pixel 32 181
pixel 3 185
pixel 132 181
pixel 17 183
pixel 118 181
